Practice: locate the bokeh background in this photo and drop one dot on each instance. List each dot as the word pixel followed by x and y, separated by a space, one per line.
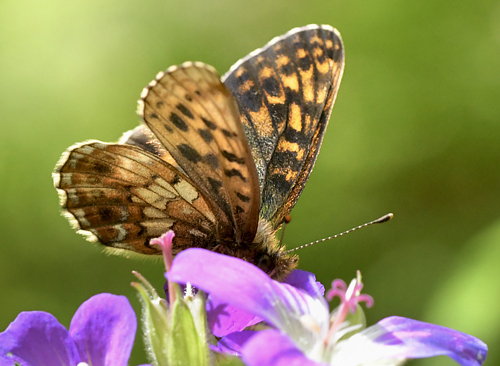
pixel 415 131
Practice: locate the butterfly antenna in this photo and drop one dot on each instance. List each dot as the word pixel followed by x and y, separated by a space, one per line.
pixel 380 220
pixel 286 221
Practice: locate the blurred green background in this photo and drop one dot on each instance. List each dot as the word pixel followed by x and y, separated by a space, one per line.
pixel 415 131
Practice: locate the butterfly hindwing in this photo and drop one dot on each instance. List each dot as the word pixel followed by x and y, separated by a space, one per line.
pixel 285 92
pixel 123 196
pixel 194 117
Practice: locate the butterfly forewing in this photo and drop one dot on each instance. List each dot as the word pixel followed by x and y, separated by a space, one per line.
pixel 123 196
pixel 285 92
pixel 196 120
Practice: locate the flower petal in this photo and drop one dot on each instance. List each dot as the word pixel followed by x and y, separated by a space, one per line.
pixel 426 340
pixel 4 361
pixel 304 280
pixel 233 343
pixel 104 330
pixel 225 278
pixel 36 338
pixel 224 319
pixel 396 338
pixel 273 348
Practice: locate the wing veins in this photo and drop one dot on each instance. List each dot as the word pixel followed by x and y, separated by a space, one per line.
pixel 118 166
pixel 147 204
pixel 200 228
pixel 219 155
pixel 255 77
pixel 194 173
pixel 215 104
pixel 179 196
pixel 187 141
pixel 160 115
pixel 238 145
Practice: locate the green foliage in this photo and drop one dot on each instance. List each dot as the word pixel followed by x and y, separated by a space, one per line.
pixel 175 334
pixel 415 131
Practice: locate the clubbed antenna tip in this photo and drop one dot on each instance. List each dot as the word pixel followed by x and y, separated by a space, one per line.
pixel 384 218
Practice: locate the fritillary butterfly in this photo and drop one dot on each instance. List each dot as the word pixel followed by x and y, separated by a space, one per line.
pixel 219 161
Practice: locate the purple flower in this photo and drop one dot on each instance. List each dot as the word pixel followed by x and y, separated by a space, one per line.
pixel 305 333
pixel 224 319
pixel 101 333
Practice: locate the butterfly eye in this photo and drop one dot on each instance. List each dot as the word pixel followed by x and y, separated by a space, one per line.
pixel 264 263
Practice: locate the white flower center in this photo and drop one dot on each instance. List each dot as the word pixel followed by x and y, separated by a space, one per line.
pixel 310 323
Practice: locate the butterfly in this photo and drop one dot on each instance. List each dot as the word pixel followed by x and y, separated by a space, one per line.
pixel 221 162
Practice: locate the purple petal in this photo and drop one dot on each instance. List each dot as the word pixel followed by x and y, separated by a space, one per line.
pixel 305 281
pixel 104 330
pixel 246 287
pixel 4 361
pixel 233 343
pixel 419 339
pixel 224 319
pixel 36 338
pixel 273 348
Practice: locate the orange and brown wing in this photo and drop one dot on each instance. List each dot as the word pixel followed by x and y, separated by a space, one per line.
pixel 123 196
pixel 194 118
pixel 285 92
